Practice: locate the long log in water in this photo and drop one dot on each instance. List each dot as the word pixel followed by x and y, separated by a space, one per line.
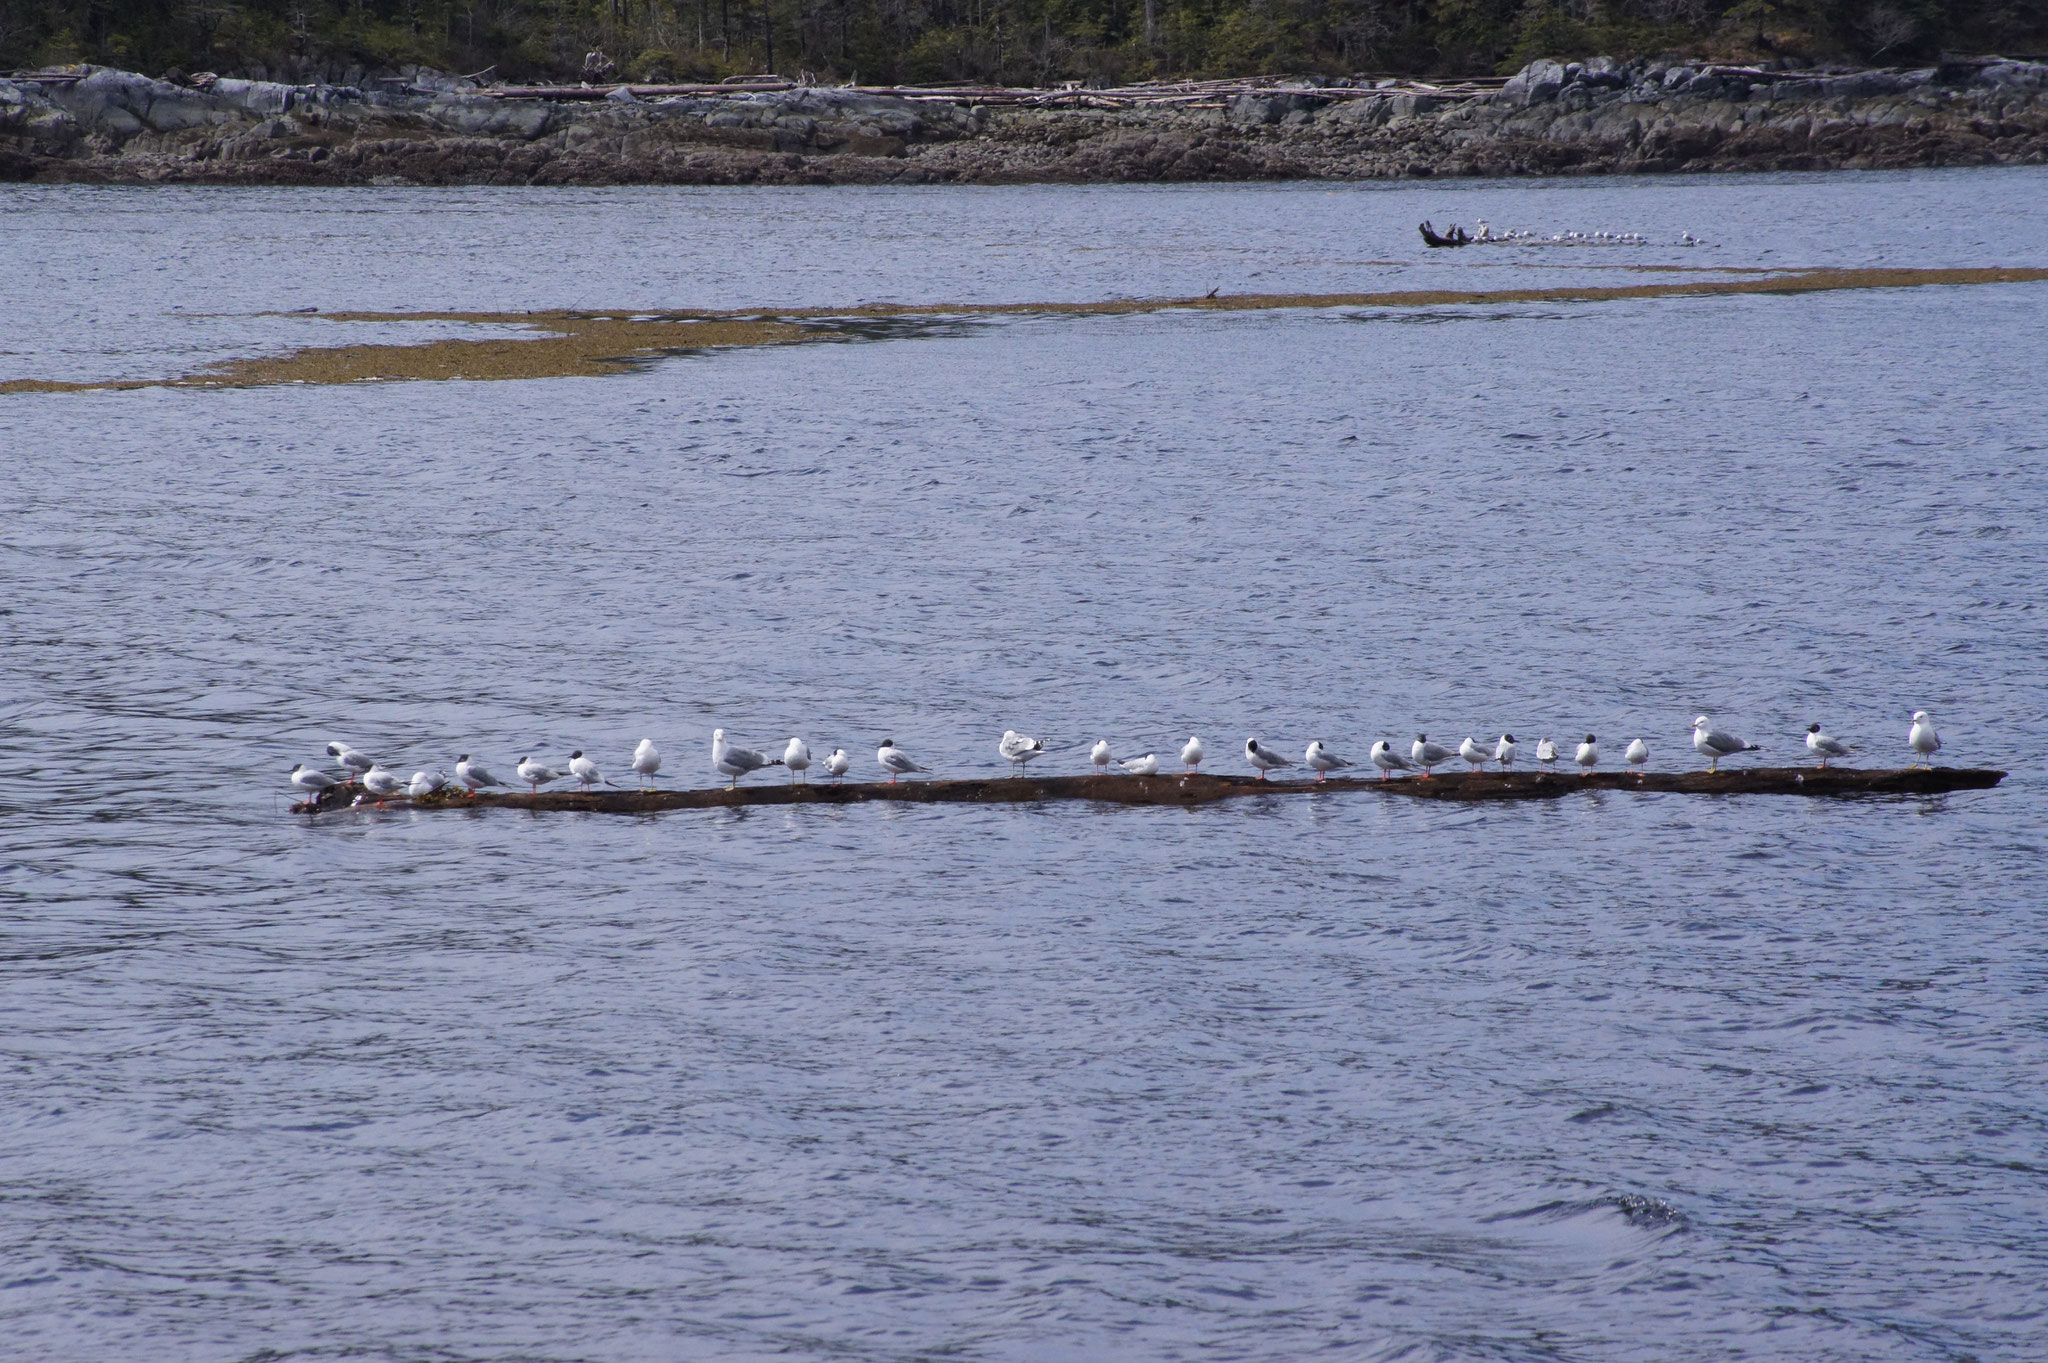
pixel 1202 788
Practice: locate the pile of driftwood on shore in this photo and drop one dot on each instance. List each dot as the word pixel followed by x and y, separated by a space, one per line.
pixel 1202 788
pixel 1192 94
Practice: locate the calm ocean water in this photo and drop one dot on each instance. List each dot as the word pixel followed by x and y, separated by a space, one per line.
pixel 1608 1078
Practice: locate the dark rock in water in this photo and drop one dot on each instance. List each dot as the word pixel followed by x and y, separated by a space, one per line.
pixel 1642 1210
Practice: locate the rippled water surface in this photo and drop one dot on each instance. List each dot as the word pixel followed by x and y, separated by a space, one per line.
pixel 1609 1078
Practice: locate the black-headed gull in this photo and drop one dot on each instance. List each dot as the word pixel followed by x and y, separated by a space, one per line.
pixel 1101 756
pixel 1637 754
pixel 1426 754
pixel 895 761
pixel 536 774
pixel 425 783
pixel 1192 753
pixel 797 757
pixel 473 775
pixel 1588 755
pixel 1387 760
pixel 1546 751
pixel 1714 745
pixel 735 762
pixel 585 771
pixel 646 761
pixel 1474 755
pixel 1324 761
pixel 1922 739
pixel 1504 751
pixel 1148 765
pixel 1824 746
pixel 382 784
pixel 356 762
pixel 1263 757
pixel 310 781
pixel 837 763
pixel 1018 749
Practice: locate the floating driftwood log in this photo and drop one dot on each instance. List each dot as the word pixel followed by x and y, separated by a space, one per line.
pixel 1202 788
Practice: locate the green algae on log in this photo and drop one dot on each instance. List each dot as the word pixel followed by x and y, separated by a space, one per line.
pixel 1203 788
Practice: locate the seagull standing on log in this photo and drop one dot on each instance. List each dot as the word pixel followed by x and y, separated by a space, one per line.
pixel 646 762
pixel 1263 757
pixel 1426 754
pixel 1324 761
pixel 734 762
pixel 309 780
pixel 1387 760
pixel 1714 745
pixel 473 775
pixel 895 761
pixel 1922 739
pixel 1824 746
pixel 1018 749
pixel 356 762
pixel 536 774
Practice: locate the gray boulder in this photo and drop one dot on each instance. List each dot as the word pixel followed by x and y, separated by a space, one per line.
pixel 253 96
pixel 482 116
pixel 2015 75
pixel 1536 83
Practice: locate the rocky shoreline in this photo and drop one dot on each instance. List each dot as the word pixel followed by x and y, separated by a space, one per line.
pixel 102 126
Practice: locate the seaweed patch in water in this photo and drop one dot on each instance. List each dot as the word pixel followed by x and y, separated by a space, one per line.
pixel 595 344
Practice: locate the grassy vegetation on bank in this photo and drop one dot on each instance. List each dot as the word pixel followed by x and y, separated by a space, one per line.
pixel 1024 42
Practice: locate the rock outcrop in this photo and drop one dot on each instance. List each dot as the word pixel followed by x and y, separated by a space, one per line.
pixel 1599 117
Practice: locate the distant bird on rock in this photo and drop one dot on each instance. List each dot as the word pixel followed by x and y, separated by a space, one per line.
pixel 1474 755
pixel 1101 755
pixel 1504 751
pixel 1148 765
pixel 646 762
pixel 1588 755
pixel 797 757
pixel 837 763
pixel 1637 754
pixel 1192 753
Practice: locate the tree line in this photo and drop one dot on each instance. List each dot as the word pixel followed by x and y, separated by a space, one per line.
pixel 1011 42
